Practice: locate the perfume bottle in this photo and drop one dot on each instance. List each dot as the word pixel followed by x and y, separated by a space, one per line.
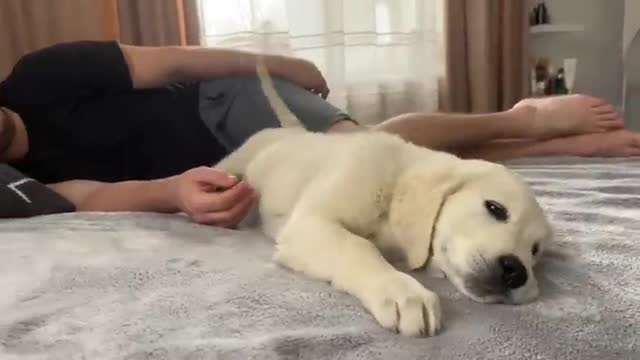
pixel 560 83
pixel 534 18
pixel 550 83
pixel 543 14
pixel 540 74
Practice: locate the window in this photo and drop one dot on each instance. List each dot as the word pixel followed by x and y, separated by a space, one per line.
pixel 365 48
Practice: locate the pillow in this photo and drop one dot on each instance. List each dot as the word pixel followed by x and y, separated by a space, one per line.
pixel 21 196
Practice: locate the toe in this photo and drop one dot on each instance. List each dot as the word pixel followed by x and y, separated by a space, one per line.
pixel 608 117
pixel 387 314
pixel 432 321
pixel 595 101
pixel 413 321
pixel 610 124
pixel 428 322
pixel 631 152
pixel 605 109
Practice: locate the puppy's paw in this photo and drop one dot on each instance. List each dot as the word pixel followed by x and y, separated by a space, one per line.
pixel 401 303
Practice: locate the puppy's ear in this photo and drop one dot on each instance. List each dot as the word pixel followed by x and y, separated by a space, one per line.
pixel 416 204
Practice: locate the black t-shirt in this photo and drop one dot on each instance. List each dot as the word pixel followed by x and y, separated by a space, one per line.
pixel 86 121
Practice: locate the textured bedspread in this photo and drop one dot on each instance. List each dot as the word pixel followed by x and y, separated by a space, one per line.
pixel 157 287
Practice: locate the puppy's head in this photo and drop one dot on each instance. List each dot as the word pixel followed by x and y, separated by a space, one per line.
pixel 479 224
pixel 489 234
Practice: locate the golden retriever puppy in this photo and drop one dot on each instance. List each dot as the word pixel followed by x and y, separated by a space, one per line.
pixel 360 209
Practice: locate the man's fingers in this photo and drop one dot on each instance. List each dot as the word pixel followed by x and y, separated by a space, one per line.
pixel 207 202
pixel 324 92
pixel 236 215
pixel 230 217
pixel 214 177
pixel 320 86
pixel 231 197
pixel 323 88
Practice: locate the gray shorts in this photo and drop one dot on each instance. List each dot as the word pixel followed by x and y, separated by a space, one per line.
pixel 235 108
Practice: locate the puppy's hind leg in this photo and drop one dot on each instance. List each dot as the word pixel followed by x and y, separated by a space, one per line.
pixel 323 249
pixel 237 162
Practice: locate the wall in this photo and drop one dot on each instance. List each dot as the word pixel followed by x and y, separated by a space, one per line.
pixel 631 22
pixel 632 70
pixel 598 48
pixel 632 63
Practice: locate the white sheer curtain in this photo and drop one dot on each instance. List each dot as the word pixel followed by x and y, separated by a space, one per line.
pixel 380 57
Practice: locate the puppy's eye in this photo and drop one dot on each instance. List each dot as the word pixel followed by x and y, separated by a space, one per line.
pixel 535 249
pixel 497 210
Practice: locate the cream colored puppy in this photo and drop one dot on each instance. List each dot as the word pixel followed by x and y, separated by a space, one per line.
pixel 356 209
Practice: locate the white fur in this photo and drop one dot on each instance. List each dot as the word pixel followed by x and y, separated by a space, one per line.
pixel 353 209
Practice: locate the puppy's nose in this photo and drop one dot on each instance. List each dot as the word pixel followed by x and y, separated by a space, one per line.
pixel 514 274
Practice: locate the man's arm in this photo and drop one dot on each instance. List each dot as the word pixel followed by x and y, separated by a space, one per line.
pixel 207 195
pixel 70 69
pixel 143 196
pixel 158 66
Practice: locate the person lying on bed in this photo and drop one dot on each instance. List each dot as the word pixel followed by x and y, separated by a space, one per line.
pixel 113 127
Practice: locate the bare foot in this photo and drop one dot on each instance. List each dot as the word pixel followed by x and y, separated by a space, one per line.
pixel 567 115
pixel 619 143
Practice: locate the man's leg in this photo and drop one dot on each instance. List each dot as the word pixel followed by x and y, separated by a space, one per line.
pixel 565 125
pixel 619 143
pixel 451 131
pixel 533 119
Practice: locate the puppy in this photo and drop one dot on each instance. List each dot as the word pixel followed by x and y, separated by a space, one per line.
pixel 359 210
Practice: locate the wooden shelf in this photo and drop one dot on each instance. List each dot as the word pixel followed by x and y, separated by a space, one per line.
pixel 555 28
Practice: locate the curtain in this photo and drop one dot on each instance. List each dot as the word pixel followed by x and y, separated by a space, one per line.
pixel 158 22
pixel 26 25
pixel 487 59
pixel 380 57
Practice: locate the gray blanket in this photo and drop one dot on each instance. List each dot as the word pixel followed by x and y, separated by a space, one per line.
pixel 133 286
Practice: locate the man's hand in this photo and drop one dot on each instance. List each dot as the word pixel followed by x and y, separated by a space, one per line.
pixel 300 72
pixel 210 196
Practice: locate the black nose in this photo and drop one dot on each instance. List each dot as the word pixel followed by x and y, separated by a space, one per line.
pixel 514 274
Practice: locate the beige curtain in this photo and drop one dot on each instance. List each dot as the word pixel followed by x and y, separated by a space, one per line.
pixel 487 57
pixel 27 25
pixel 159 22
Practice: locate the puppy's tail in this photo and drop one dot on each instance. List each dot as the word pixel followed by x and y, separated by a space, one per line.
pixel 279 107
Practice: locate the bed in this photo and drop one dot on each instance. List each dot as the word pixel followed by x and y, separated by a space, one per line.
pixel 140 286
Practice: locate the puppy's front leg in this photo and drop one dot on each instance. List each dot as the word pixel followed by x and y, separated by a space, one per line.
pixel 325 250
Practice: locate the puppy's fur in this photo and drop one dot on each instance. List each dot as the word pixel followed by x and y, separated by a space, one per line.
pixel 355 209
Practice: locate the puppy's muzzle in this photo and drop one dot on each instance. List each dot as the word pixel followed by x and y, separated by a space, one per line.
pixel 498 280
pixel 514 274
